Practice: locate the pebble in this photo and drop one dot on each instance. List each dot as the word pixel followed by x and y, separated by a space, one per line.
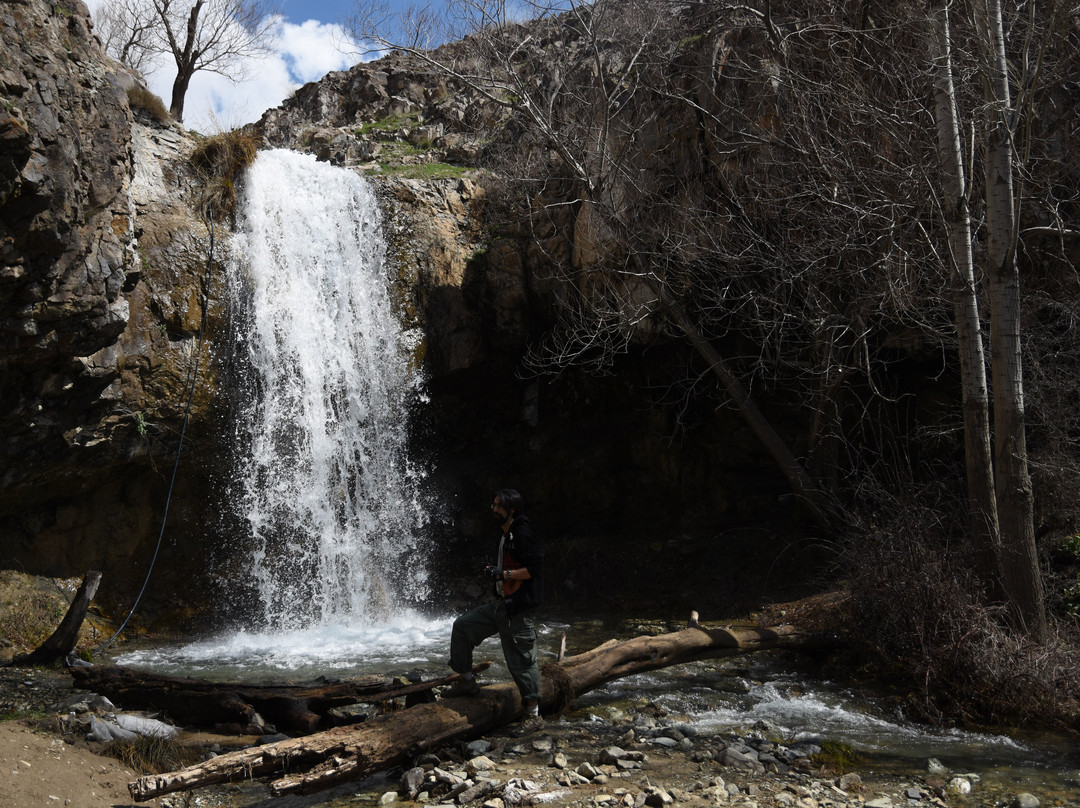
pixel 611 752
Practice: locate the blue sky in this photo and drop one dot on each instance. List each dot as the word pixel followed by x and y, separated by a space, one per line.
pixel 308 43
pixel 325 11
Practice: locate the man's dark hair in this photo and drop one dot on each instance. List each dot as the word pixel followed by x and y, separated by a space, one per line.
pixel 511 500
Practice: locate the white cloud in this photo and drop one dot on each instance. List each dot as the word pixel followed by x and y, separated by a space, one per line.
pixel 298 54
pixel 315 48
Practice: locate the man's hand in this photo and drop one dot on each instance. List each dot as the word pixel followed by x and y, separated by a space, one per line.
pixel 493 572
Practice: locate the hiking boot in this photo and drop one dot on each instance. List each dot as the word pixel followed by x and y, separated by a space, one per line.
pixel 464 687
pixel 530 723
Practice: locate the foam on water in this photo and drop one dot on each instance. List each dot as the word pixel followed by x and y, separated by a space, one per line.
pixel 335 650
pixel 327 500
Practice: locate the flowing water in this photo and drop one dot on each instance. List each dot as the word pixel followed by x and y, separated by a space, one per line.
pixel 328 499
pixel 726 697
pixel 332 509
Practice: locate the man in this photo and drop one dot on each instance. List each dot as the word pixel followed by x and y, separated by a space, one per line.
pixel 517 580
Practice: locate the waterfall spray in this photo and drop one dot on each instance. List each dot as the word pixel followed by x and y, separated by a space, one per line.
pixel 324 485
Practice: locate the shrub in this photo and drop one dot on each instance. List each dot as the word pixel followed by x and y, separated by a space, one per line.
pixel 218 161
pixel 141 99
pixel 918 604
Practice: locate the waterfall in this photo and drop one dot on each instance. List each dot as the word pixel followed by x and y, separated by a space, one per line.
pixel 323 486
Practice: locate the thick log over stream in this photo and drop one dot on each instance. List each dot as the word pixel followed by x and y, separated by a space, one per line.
pixel 345 753
pixel 298 709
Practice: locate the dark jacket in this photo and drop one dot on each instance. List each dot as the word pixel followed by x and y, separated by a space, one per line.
pixel 525 549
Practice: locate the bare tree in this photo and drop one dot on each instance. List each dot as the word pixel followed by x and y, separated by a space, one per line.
pixel 127 29
pixel 757 181
pixel 199 35
pixel 979 464
pixel 1015 501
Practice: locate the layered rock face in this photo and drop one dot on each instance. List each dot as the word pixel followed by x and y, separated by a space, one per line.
pixel 104 279
pixel 596 455
pixel 100 272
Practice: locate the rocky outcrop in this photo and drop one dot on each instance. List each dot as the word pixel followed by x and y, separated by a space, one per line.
pixel 102 282
pixel 101 266
pixel 67 224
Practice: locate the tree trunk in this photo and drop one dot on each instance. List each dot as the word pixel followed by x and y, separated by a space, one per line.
pixel 231 707
pixel 185 57
pixel 809 495
pixel 982 506
pixel 348 753
pixel 1020 563
pixel 179 91
pixel 62 641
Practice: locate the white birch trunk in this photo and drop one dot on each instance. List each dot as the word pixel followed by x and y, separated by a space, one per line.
pixel 1020 563
pixel 982 507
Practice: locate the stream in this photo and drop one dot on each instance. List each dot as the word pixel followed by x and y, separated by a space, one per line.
pixel 726 696
pixel 328 511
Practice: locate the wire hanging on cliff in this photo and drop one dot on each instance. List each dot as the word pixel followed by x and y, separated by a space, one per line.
pixel 183 430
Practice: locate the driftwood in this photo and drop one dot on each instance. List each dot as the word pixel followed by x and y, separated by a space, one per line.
pixel 341 754
pixel 62 641
pixel 297 709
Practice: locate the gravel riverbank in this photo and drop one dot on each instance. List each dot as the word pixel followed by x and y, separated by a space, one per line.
pixel 646 760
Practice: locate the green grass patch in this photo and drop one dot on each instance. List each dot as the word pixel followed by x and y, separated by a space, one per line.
pixel 837 756
pixel 424 171
pixel 389 124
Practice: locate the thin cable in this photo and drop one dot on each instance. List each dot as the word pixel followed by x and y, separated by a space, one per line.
pixel 183 430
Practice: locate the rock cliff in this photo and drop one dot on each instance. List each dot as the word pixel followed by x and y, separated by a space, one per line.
pixel 102 283
pixel 100 278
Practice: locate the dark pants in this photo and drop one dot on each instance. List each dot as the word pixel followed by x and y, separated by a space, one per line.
pixel 517 633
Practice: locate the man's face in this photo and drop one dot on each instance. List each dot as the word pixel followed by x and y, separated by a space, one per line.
pixel 498 513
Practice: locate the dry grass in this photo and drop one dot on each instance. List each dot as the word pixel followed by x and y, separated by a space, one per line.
pixel 141 99
pixel 916 602
pixel 218 162
pixel 153 755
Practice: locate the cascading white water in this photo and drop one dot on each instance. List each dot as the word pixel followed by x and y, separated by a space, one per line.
pixel 323 481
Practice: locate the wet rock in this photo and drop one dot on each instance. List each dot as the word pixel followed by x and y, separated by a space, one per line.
pixel 480 763
pixel 960 785
pixel 542 745
pixel 572 779
pixel 479 790
pixel 612 755
pixel 587 770
pixel 658 798
pixel 769 728
pixel 1025 800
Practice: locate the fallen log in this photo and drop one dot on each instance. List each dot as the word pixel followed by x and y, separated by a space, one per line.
pixel 341 754
pixel 243 709
pixel 62 641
